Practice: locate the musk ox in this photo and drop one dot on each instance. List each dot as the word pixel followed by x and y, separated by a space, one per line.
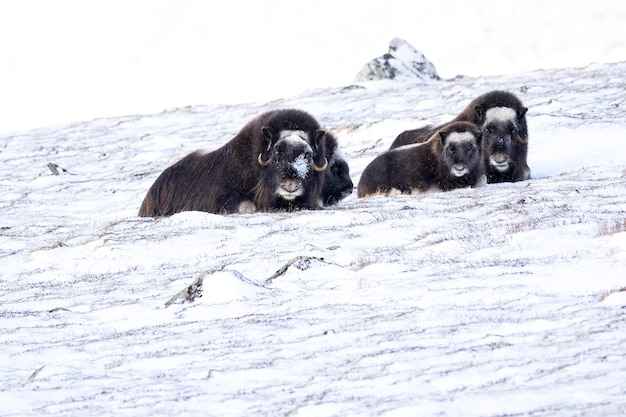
pixel 450 158
pixel 276 162
pixel 502 118
pixel 337 183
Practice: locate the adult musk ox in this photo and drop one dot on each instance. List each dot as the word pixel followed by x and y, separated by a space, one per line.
pixel 450 158
pixel 276 162
pixel 337 184
pixel 502 118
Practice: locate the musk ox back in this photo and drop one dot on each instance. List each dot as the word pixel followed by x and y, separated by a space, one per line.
pixel 451 158
pixel 337 183
pixel 276 162
pixel 502 117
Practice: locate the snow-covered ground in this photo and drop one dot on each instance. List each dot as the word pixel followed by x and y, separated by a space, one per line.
pixel 505 300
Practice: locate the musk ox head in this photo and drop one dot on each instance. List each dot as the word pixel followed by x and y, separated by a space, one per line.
pixel 293 166
pixel 461 156
pixel 505 136
pixel 337 182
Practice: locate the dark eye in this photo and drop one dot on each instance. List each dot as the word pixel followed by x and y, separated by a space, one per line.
pixel 335 169
pixel 488 130
pixel 513 131
pixel 470 152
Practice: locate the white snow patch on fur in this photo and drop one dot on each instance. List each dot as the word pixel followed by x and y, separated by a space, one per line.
pixel 301 165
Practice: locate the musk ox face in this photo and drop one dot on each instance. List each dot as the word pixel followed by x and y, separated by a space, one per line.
pixel 289 171
pixel 461 162
pixel 501 130
pixel 337 183
pixel 505 139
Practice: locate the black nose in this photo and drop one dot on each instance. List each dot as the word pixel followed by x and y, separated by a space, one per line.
pixel 501 143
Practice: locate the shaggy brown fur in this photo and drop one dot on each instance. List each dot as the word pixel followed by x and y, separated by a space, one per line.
pixel 505 140
pixel 450 159
pixel 337 184
pixel 248 171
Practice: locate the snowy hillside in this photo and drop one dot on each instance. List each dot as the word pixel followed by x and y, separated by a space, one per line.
pixel 505 300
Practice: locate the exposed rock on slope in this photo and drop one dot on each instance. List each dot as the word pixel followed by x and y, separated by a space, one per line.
pixel 402 62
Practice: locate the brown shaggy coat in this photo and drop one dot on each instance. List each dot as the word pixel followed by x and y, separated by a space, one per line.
pixel 247 171
pixel 505 140
pixel 450 159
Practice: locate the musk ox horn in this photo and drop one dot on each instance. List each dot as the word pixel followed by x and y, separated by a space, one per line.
pixel 522 140
pixel 322 168
pixel 261 161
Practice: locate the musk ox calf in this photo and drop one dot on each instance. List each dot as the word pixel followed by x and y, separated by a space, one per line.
pixel 276 162
pixel 502 117
pixel 337 183
pixel 450 158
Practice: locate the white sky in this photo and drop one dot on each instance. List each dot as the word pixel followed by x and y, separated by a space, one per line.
pixel 64 61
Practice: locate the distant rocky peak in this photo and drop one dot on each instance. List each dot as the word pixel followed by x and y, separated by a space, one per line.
pixel 403 62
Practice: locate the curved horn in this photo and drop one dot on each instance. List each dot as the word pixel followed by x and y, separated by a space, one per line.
pixel 522 140
pixel 322 168
pixel 261 161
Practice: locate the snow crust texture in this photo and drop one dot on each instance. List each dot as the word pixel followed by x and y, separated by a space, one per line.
pixel 504 300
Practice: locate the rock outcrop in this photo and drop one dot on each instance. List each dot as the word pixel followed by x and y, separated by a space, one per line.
pixel 402 62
